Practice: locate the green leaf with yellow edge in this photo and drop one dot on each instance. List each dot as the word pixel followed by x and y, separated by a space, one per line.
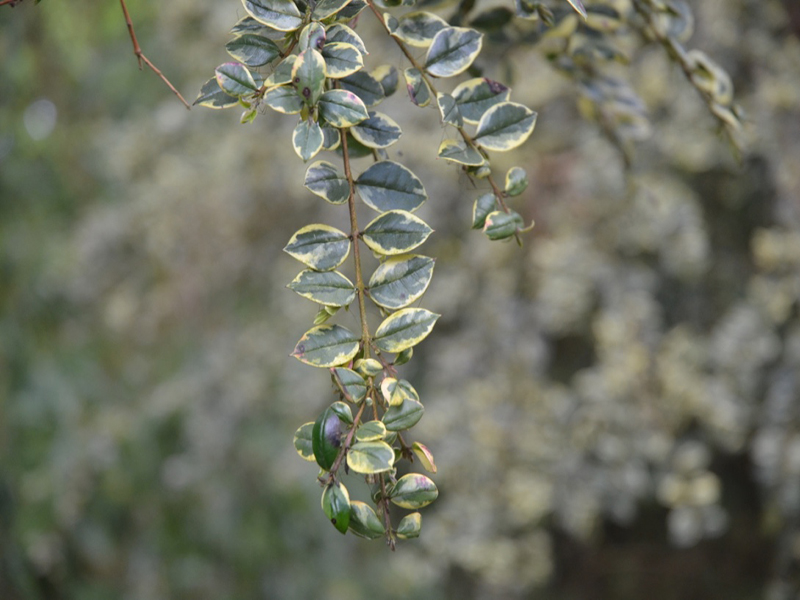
pixel 371 431
pixel 341 108
pixel 329 288
pixel 234 79
pixel 485 204
pixel 342 33
pixel 452 51
pixel 516 181
pixel 413 491
pixel 500 225
pixel 404 329
pixel 448 109
pixel 397 391
pixel 418 89
pixel 395 232
pixel 319 246
pixel 307 139
pixel 308 75
pixel 419 28
pixel 409 526
pixel 368 367
pixel 400 280
pixel 336 505
pixel 341 59
pixel 505 126
pixel 331 140
pixel 312 36
pixel 327 346
pixel 247 25
pixel 458 152
pixel 378 131
pixel 302 441
pixel 351 11
pixel 342 411
pixel 212 96
pixel 369 458
pixel 405 416
pixel 282 74
pixel 425 456
pixel 327 8
pixel 364 522
pixel 282 15
pixel 284 99
pixel 253 50
pixel 387 185
pixel 327 182
pixel 475 96
pixel 387 76
pixel 365 86
pixel 326 438
pixel 351 384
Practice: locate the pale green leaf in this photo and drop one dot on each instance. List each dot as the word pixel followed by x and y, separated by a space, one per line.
pixel 364 522
pixel 308 75
pixel 341 108
pixel 516 181
pixel 313 36
pixel 371 431
pixel 413 491
pixel 284 99
pixel 409 526
pixel 369 458
pixel 307 139
pixel 425 456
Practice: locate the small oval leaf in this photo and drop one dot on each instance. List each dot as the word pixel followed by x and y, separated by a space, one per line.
pixel 387 185
pixel 485 204
pixel 452 51
pixel 400 280
pixel 308 75
pixel 253 50
pixel 413 491
pixel 404 329
pixel 326 8
pixel 327 182
pixel 307 139
pixel 369 458
pixel 419 28
pixel 329 288
pixel 234 79
pixel 449 110
pixel 458 152
pixel 475 96
pixel 282 15
pixel 319 246
pixel 425 456
pixel 405 416
pixel 409 526
pixel 364 522
pixel 378 131
pixel 341 108
pixel 341 59
pixel 327 346
pixel 505 126
pixel 351 384
pixel 371 431
pixel 326 438
pixel 302 441
pixel 342 33
pixel 395 232
pixel 516 181
pixel 365 86
pixel 418 89
pixel 212 96
pixel 500 225
pixel 336 505
pixel 284 99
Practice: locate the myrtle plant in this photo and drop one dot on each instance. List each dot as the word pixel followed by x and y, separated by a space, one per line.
pixel 306 59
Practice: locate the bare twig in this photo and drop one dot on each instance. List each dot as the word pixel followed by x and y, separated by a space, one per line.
pixel 137 50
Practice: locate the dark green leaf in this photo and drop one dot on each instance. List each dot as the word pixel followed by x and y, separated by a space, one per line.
pixel 500 225
pixel 350 11
pixel 307 139
pixel 326 8
pixel 253 50
pixel 475 96
pixel 331 138
pixel 212 96
pixel 405 416
pixel 369 458
pixel 341 108
pixel 336 505
pixel 247 25
pixel 343 411
pixel 327 346
pixel 327 182
pixel 235 79
pixel 326 438
pixel 321 247
pixel 396 232
pixel 378 131
pixel 282 15
pixel 413 491
pixel 452 51
pixel 330 288
pixel 404 329
pixel 371 431
pixel 400 280
pixel 365 86
pixel 505 126
pixel 387 185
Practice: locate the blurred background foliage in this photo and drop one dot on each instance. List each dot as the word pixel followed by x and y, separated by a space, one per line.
pixel 614 409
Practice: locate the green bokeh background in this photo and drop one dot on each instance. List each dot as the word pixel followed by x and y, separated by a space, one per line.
pixel 614 408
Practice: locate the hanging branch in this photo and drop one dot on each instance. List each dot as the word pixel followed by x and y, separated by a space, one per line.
pixel 140 56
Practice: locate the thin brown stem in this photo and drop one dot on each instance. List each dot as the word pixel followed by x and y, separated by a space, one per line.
pixel 141 58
